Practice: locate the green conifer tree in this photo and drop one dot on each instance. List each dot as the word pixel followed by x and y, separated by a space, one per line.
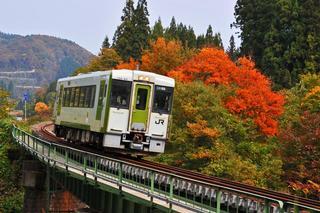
pixel 131 36
pixel 217 41
pixel 201 41
pixel 191 38
pixel 281 36
pixel 141 29
pixel 171 31
pixel 232 50
pixel 123 37
pixel 209 36
pixel 157 30
pixel 106 43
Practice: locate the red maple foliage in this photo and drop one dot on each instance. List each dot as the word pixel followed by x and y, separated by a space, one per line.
pixel 253 95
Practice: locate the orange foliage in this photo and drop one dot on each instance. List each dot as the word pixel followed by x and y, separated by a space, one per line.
pixel 162 56
pixel 202 153
pixel 308 188
pixel 131 65
pixel 41 108
pixel 253 95
pixel 200 129
pixel 211 65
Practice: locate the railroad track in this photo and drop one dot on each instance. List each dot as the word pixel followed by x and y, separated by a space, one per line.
pixel 43 132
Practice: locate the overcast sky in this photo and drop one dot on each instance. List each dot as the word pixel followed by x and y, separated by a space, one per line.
pixel 87 22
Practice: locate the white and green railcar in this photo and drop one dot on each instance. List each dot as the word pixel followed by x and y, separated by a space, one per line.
pixel 121 109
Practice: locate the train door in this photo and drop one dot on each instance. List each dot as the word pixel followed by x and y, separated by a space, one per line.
pixel 140 107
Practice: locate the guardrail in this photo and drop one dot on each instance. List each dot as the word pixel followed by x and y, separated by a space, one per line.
pixel 172 191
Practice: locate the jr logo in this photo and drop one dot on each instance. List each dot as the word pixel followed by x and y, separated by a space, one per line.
pixel 160 121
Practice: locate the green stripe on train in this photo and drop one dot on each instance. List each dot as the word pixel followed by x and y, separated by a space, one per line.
pixel 100 100
pixel 107 110
pixel 75 125
pixel 60 99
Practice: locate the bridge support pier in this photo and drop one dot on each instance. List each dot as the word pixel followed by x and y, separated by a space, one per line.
pixel 34 178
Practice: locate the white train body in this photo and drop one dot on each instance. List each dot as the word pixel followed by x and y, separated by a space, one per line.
pixel 120 109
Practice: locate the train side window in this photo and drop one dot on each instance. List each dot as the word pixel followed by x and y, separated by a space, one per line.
pixel 120 94
pixel 105 90
pixel 64 97
pixel 92 96
pixel 142 96
pixel 87 98
pixel 162 99
pixel 82 96
pixel 72 95
pixel 76 98
pixel 67 103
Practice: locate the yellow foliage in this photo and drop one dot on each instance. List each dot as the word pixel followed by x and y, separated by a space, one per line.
pixel 201 129
pixel 314 91
pixel 5 105
pixel 107 59
pixel 311 100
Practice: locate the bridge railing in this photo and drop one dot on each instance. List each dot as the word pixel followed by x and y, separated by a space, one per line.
pixel 172 190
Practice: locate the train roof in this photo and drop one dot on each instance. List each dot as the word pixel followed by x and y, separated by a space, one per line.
pixel 127 75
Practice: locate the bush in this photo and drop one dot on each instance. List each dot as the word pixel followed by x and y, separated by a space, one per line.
pixel 11 194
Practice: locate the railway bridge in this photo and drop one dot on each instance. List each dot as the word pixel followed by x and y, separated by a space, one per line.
pixel 157 186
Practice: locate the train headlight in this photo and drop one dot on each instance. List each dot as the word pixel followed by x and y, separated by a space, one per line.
pixel 143 78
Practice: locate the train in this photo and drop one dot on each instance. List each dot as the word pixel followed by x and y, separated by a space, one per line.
pixel 127 111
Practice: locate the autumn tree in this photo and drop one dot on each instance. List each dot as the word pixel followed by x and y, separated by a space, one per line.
pixel 207 137
pixel 41 109
pixel 107 59
pixel 302 97
pixel 162 56
pixel 5 104
pixel 311 101
pixel 214 67
pixel 131 65
pixel 301 154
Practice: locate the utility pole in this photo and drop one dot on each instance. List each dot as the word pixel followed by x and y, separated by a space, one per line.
pixel 25 98
pixel 25 110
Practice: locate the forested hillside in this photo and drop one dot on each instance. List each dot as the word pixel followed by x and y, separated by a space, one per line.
pixel 50 56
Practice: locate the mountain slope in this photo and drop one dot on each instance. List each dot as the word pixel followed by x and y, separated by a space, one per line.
pixel 51 57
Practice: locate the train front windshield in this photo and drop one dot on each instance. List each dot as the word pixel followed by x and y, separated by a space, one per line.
pixel 120 94
pixel 163 99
